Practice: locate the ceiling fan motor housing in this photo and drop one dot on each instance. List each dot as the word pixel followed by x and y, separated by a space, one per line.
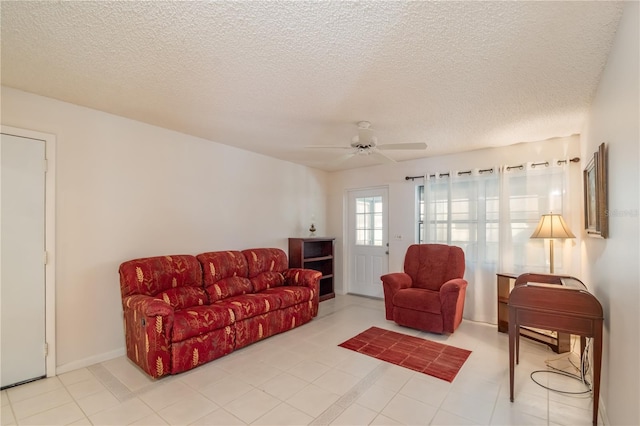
pixel 364 140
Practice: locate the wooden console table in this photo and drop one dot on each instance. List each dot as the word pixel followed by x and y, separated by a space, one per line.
pixel 565 306
pixel 559 343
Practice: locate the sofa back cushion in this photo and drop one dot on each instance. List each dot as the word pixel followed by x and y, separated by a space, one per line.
pixel 225 274
pixel 266 266
pixel 176 279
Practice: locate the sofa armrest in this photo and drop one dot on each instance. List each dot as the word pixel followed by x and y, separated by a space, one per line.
pixel 307 278
pixel 147 305
pixel 148 322
pixel 452 295
pixel 391 283
pixel 304 277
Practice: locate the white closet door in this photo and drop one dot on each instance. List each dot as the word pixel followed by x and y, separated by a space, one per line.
pixel 22 249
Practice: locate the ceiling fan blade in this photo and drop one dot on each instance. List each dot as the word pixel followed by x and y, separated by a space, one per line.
pixel 419 145
pixel 329 146
pixel 383 157
pixel 341 159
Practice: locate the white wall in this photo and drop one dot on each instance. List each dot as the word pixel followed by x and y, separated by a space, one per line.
pixel 611 266
pixel 402 193
pixel 127 189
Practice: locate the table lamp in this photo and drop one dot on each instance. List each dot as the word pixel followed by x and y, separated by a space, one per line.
pixel 552 226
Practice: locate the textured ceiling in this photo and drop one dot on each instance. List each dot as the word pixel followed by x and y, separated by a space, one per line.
pixel 274 77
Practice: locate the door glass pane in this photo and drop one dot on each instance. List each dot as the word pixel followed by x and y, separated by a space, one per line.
pixel 369 221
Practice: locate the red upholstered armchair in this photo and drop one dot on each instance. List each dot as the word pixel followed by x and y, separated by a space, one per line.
pixel 429 294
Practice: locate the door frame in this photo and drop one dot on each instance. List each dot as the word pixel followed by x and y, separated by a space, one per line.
pixel 346 270
pixel 49 237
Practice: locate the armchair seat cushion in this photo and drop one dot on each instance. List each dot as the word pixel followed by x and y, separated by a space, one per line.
pixel 418 299
pixel 199 320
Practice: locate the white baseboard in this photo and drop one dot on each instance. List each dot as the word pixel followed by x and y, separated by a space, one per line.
pixel 86 362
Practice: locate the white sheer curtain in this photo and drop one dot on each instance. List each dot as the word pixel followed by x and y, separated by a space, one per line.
pixel 461 209
pixel 491 214
pixel 527 192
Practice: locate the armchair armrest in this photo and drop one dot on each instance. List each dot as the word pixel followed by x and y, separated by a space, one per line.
pixel 391 283
pixel 452 294
pixel 148 322
pixel 453 286
pixel 396 281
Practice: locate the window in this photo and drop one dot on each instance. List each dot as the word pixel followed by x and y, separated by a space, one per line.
pixel 468 212
pixel 369 221
pixel 461 212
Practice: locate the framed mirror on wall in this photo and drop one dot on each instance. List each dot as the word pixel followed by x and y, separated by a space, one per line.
pixel 596 219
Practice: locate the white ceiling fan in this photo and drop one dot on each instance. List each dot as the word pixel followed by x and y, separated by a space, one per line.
pixel 366 143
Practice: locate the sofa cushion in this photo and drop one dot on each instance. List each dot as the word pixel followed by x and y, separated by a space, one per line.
pixel 225 274
pixel 200 320
pixel 265 260
pixel 250 305
pixel 218 265
pixel 265 267
pixel 229 287
pixel 184 297
pixel 290 295
pixel 153 275
pixel 418 299
pixel 265 280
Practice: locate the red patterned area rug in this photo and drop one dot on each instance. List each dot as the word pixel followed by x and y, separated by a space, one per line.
pixel 432 358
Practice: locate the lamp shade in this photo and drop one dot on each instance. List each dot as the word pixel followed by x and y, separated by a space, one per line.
pixel 552 226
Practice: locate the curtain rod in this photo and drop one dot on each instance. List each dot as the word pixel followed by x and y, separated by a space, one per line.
pixel 519 166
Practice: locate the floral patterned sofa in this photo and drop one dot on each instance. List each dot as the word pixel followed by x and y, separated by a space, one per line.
pixel 181 311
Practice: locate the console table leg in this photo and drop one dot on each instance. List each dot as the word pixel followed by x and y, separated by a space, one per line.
pixel 513 338
pixel 517 344
pixel 597 364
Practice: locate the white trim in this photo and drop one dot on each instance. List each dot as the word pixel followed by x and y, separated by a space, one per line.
pixel 50 238
pixel 86 362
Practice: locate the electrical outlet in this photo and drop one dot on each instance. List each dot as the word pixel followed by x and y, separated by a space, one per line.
pixel 397 237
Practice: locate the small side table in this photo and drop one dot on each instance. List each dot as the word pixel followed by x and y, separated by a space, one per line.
pixel 560 343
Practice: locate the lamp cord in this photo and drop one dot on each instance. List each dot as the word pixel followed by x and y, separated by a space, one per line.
pixel 583 370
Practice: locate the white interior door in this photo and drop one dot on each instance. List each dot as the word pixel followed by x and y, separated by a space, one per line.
pixel 22 262
pixel 368 241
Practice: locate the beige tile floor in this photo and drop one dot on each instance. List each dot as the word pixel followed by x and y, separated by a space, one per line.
pixel 303 377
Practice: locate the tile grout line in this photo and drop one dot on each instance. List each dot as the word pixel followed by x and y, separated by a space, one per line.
pixel 111 382
pixel 345 401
